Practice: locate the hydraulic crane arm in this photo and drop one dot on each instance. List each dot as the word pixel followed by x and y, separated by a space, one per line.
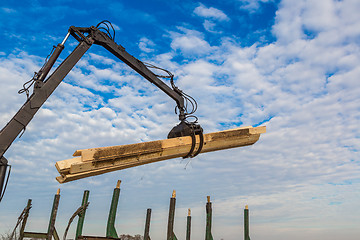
pixel 44 88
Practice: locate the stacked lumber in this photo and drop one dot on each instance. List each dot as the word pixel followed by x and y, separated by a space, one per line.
pixel 96 161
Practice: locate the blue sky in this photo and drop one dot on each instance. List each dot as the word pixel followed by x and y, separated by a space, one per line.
pixel 290 65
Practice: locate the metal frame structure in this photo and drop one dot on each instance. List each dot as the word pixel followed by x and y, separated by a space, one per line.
pixel 111 233
pixel 51 232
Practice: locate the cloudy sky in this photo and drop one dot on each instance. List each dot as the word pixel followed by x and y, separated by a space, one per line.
pixel 292 65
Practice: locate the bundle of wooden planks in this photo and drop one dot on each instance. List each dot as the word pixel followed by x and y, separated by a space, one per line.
pixel 95 161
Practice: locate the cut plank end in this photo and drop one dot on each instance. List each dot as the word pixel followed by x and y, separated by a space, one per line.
pixel 118 184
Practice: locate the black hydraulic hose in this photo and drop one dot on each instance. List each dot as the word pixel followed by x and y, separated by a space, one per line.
pixel 201 144
pixel 193 142
pixel 3 167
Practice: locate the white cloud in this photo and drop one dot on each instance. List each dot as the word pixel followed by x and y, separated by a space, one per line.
pixel 8 10
pixel 321 18
pixel 252 5
pixel 211 12
pixel 212 16
pixel 189 42
pixel 210 26
pixel 146 45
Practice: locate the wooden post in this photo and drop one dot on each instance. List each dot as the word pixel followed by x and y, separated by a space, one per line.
pixel 170 231
pixel 95 161
pixel 81 219
pixel 246 223
pixel 147 224
pixel 188 225
pixel 110 229
pixel 24 221
pixel 208 235
pixel 55 206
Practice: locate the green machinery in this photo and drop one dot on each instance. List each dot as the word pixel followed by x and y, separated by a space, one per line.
pixel 246 223
pixel 51 232
pixel 110 227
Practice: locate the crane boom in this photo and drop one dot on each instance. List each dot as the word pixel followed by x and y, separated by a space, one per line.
pixel 43 88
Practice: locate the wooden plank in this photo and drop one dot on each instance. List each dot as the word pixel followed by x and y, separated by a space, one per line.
pixel 35 235
pixel 95 161
pixel 96 238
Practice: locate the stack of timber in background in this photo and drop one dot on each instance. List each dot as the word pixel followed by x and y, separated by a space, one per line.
pixel 96 161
